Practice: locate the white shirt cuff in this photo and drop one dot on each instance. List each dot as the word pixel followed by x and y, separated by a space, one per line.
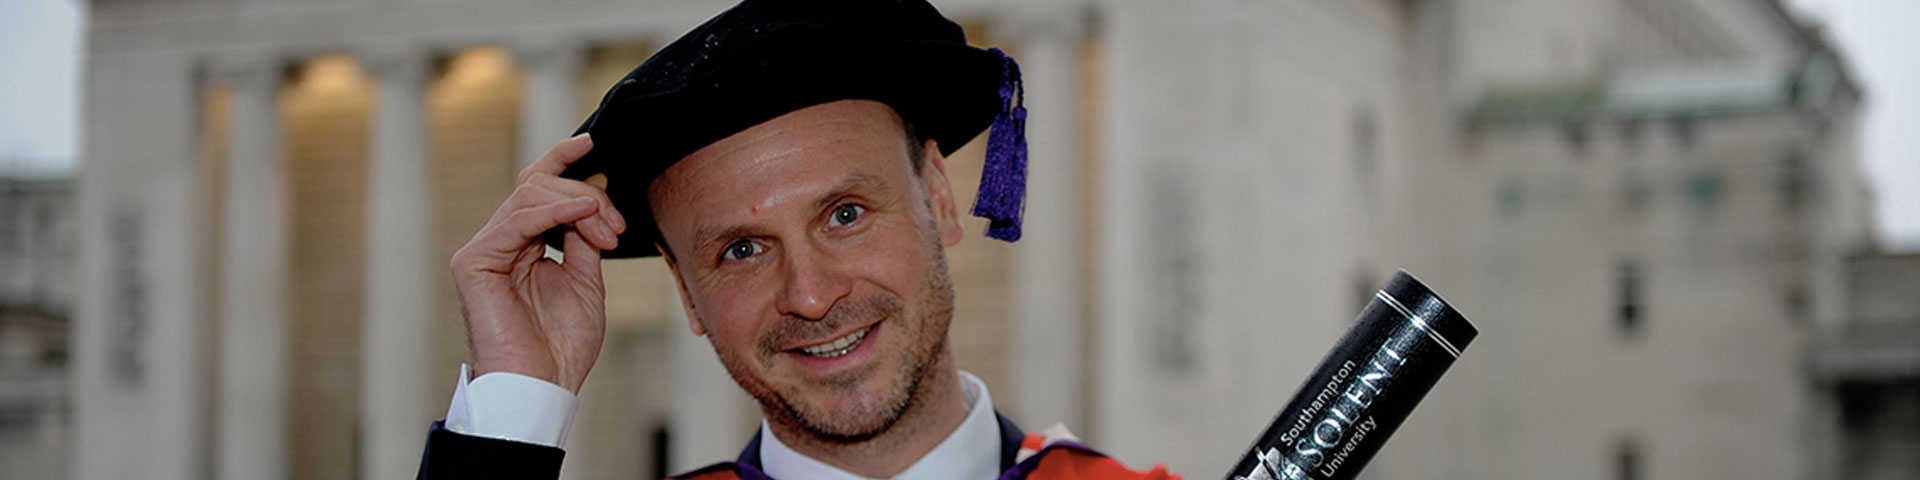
pixel 511 406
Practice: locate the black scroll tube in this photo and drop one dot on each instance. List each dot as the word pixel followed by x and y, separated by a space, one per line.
pixel 1405 338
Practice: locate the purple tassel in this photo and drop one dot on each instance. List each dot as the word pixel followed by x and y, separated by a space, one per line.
pixel 1003 180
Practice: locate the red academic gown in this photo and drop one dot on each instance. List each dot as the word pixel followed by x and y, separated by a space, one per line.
pixel 454 456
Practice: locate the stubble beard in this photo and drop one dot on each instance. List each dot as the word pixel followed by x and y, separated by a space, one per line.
pixel 788 406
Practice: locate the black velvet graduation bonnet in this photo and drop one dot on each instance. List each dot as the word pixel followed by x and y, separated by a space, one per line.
pixel 765 58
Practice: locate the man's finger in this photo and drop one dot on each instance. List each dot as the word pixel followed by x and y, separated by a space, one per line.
pixel 595 228
pixel 557 158
pixel 535 194
pixel 576 188
pixel 525 226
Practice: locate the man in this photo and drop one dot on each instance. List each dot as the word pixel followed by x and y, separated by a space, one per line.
pixel 787 159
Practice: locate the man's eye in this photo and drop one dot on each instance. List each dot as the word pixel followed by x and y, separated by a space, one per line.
pixel 845 214
pixel 741 249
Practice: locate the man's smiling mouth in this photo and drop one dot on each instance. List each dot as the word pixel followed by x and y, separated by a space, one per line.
pixel 837 347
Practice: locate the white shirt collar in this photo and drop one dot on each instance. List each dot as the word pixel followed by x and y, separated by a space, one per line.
pixel 971 451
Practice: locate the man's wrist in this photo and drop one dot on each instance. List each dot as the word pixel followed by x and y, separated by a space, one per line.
pixel 551 374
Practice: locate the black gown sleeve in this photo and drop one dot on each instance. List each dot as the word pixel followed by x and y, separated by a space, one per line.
pixel 451 456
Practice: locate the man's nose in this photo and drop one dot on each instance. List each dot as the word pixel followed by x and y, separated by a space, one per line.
pixel 813 284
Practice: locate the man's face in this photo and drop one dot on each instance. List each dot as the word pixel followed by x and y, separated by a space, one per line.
pixel 810 253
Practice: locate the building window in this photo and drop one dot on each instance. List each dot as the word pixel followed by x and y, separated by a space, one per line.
pixel 1798 302
pixel 1684 133
pixel 1795 180
pixel 1630 134
pixel 1576 135
pixel 1704 188
pixel 1512 196
pixel 8 199
pixel 1627 464
pixel 1366 141
pixel 1629 285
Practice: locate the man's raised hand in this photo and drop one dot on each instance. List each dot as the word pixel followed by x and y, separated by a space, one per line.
pixel 525 313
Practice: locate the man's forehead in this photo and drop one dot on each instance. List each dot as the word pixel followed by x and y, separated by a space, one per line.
pixel 819 139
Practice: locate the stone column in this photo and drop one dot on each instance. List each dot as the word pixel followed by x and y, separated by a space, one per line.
pixel 1050 257
pixel 252 435
pixel 142 341
pixel 395 348
pixel 550 107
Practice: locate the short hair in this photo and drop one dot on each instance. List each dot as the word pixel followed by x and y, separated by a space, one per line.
pixel 916 145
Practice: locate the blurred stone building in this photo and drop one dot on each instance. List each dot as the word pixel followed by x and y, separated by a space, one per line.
pixel 1647 206
pixel 36 301
pixel 1869 365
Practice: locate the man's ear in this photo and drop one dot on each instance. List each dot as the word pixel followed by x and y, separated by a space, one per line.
pixel 686 302
pixel 946 213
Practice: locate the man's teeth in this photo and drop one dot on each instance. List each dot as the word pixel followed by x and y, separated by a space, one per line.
pixel 839 346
